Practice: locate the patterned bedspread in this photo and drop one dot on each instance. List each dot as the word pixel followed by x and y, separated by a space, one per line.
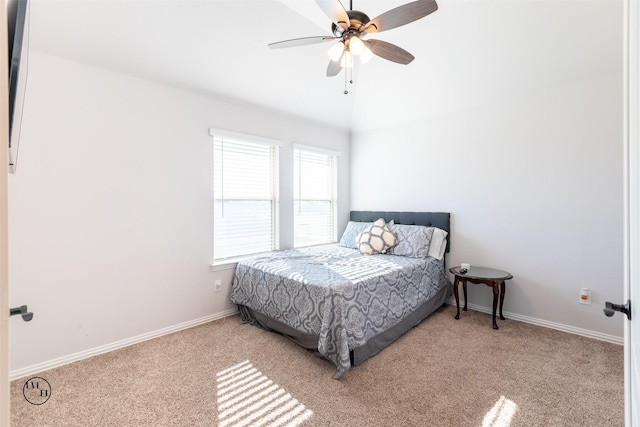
pixel 337 293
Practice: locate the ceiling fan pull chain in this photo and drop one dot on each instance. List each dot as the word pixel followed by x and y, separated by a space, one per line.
pixel 345 82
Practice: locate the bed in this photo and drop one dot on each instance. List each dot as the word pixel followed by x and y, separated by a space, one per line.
pixel 342 302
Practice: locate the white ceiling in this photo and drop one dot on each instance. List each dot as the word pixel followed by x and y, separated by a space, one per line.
pixel 467 53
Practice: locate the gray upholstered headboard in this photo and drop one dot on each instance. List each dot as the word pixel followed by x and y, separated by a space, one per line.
pixel 429 219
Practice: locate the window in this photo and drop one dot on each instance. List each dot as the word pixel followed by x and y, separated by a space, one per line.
pixel 314 196
pixel 245 192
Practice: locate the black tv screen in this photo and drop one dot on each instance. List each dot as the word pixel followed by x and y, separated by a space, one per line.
pixel 18 49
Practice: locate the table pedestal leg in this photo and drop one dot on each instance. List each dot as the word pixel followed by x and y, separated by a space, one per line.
pixel 464 290
pixel 496 292
pixel 455 292
pixel 502 288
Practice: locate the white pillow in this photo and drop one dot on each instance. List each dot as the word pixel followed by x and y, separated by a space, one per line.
pixel 438 243
pixel 376 239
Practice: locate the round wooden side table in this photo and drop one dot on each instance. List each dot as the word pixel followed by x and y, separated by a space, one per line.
pixel 489 276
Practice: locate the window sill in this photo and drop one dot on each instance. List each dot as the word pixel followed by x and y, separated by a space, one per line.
pixel 230 265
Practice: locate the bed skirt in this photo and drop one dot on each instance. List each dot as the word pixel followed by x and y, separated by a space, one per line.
pixel 358 355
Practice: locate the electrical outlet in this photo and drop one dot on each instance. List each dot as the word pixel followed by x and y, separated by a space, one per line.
pixel 217 285
pixel 584 296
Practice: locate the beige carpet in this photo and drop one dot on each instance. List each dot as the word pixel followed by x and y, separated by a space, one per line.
pixel 442 373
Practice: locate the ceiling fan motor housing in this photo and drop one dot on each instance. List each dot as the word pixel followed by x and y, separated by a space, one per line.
pixel 357 21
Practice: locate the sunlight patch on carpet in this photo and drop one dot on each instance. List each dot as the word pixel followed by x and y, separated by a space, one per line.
pixel 248 397
pixel 501 414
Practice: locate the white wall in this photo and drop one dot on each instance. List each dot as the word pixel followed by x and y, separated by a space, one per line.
pixel 534 186
pixel 110 212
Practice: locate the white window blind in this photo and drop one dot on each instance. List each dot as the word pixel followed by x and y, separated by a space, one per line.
pixel 245 197
pixel 314 197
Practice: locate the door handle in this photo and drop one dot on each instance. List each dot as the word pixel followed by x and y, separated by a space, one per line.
pixel 22 311
pixel 610 309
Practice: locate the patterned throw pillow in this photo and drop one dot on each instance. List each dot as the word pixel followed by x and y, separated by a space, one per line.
pixel 376 239
pixel 351 233
pixel 413 240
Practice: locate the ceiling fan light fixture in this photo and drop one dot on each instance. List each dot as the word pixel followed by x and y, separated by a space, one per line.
pixel 355 45
pixel 365 55
pixel 335 51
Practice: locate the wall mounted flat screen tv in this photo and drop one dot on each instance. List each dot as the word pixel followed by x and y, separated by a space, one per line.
pixel 18 38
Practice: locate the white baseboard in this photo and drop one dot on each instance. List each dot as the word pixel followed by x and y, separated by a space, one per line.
pixel 34 369
pixel 544 323
pixel 40 367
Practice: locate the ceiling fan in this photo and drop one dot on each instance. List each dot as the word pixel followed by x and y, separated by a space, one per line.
pixel 352 27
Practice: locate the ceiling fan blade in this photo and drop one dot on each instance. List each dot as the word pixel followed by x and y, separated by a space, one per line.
pixel 401 15
pixel 301 41
pixel 389 51
pixel 335 11
pixel 334 67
